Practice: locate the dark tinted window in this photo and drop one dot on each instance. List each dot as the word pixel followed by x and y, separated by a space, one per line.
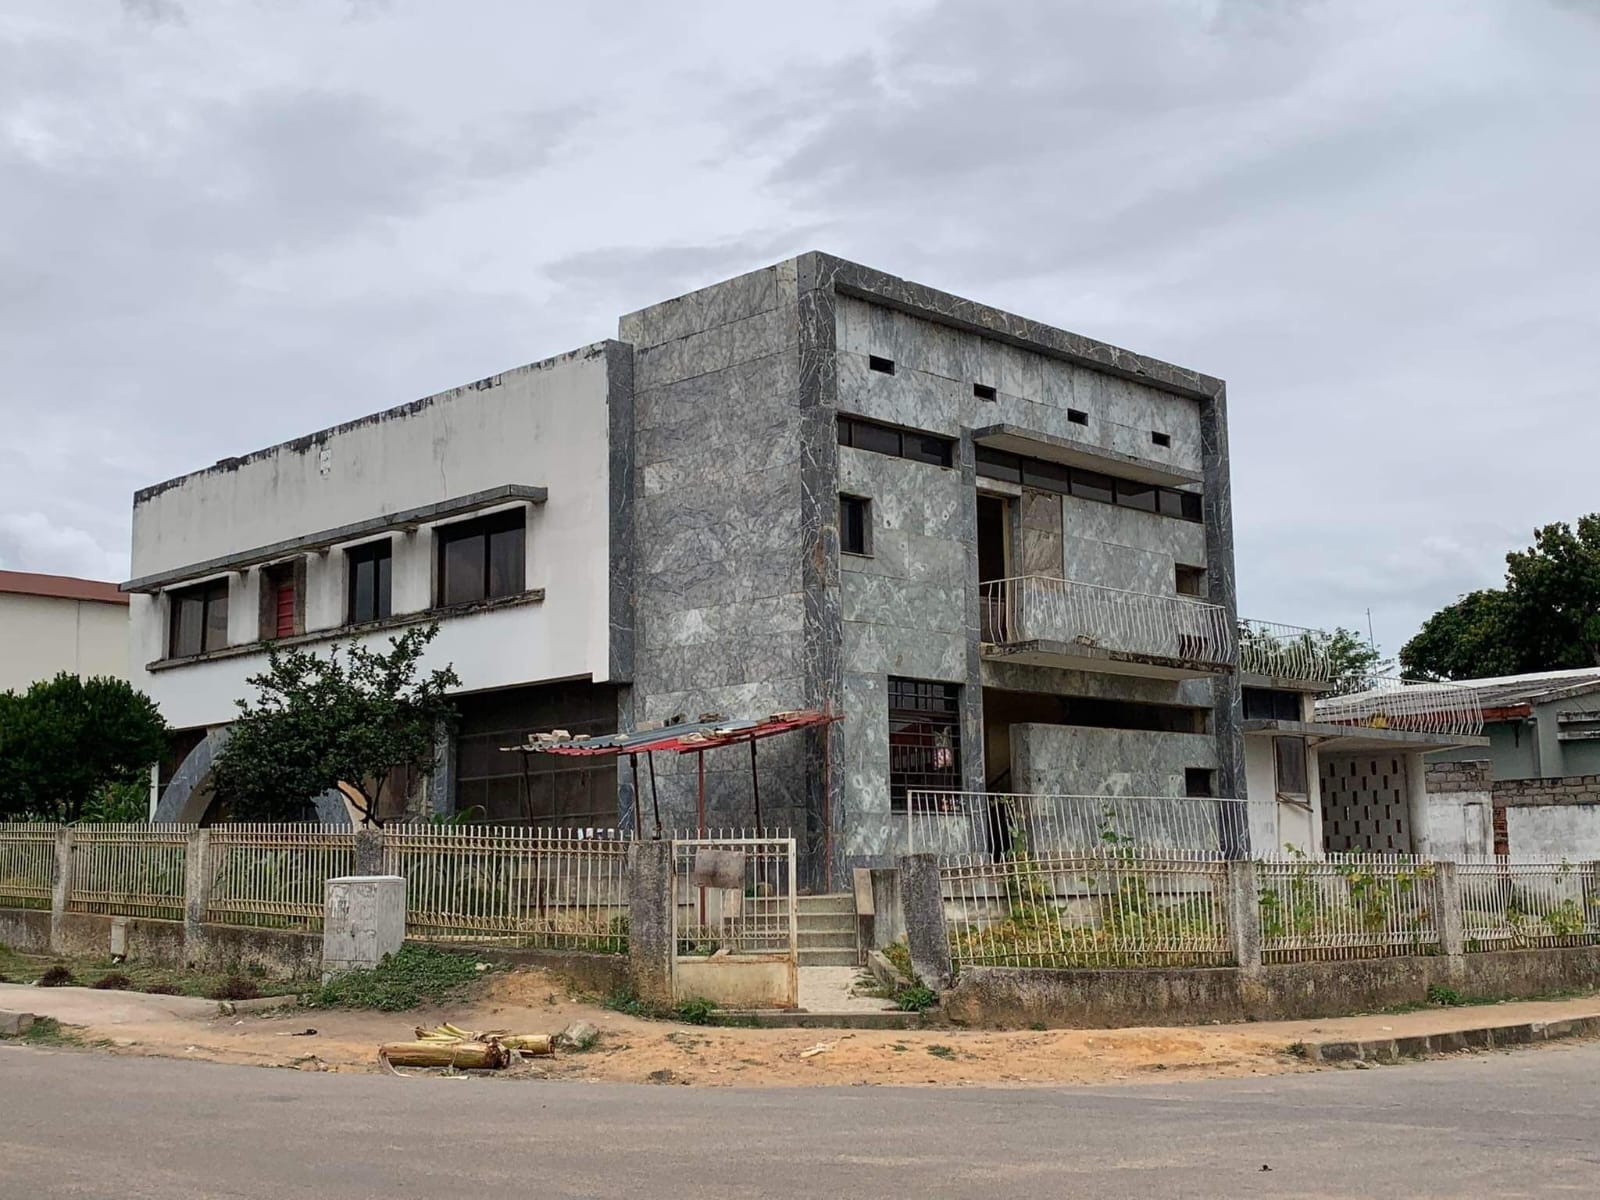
pixel 370 580
pixel 1136 495
pixel 1271 704
pixel 921 448
pixel 199 619
pixel 1191 506
pixel 877 439
pixel 1089 485
pixel 1170 503
pixel 854 525
pixel 1050 476
pixel 997 464
pixel 897 443
pixel 482 559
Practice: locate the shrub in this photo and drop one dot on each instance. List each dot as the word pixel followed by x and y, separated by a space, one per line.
pixel 916 998
pixel 411 976
pixel 696 1010
pixel 57 976
pixel 114 982
pixel 234 987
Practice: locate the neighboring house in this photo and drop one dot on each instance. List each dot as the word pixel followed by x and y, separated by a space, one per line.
pixel 1000 551
pixel 55 623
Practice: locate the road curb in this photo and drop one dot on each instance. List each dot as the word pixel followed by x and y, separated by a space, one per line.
pixel 1487 1037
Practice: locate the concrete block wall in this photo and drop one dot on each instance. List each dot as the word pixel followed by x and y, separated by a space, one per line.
pixel 1557 818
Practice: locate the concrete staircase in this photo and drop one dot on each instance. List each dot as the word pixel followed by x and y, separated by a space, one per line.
pixel 827 931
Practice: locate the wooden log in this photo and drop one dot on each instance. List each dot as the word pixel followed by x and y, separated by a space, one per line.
pixel 466 1056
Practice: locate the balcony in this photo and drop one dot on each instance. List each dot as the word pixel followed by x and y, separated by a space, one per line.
pixel 1042 621
pixel 1286 654
pixel 1406 706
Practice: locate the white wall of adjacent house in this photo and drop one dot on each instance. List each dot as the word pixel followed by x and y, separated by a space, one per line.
pixel 1277 823
pixel 544 425
pixel 41 636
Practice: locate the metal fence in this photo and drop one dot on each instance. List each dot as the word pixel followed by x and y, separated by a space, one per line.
pixel 1346 906
pixel 520 887
pixel 1284 652
pixel 1386 702
pixel 274 875
pixel 1034 608
pixel 1512 905
pixel 27 865
pixel 130 870
pixel 1112 908
pixel 994 826
pixel 734 895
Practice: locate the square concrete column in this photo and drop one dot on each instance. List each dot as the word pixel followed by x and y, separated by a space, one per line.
pixel 1244 914
pixel 927 937
pixel 196 894
pixel 651 946
pixel 61 891
pixel 1447 911
pixel 363 919
pixel 1417 803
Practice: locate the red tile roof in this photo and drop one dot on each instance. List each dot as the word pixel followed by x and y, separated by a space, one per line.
pixel 60 587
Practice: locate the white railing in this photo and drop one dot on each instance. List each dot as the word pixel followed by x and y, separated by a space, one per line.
pixel 996 825
pixel 1513 905
pixel 27 865
pixel 1284 652
pixel 1034 608
pixel 1113 908
pixel 734 895
pixel 129 870
pixel 275 875
pixel 1387 702
pixel 521 887
pixel 1346 906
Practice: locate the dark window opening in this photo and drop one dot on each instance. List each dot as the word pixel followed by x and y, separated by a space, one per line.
pixel 1047 476
pixel 1091 485
pixel 1271 704
pixel 1192 510
pixel 370 569
pixel 1095 713
pixel 280 602
pixel 1289 757
pixel 924 739
pixel 1077 416
pixel 897 443
pixel 1191 581
pixel 855 525
pixel 1141 496
pixel 1161 439
pixel 1199 782
pixel 997 464
pixel 199 619
pixel 482 559
pixel 993 534
pixel 1085 485
pixel 883 365
pixel 984 391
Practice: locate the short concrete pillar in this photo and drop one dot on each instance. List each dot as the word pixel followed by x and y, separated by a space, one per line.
pixel 888 919
pixel 369 851
pixel 363 919
pixel 1244 914
pixel 922 904
pixel 196 894
pixel 651 947
pixel 61 892
pixel 1447 909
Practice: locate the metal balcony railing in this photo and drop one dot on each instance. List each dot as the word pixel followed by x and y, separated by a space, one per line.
pixel 1284 652
pixel 1038 608
pixel 1408 705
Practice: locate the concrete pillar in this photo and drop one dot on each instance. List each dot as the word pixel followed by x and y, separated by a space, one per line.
pixel 1244 914
pixel 62 891
pixel 196 894
pixel 369 851
pixel 1447 910
pixel 1417 803
pixel 922 900
pixel 363 919
pixel 888 916
pixel 651 945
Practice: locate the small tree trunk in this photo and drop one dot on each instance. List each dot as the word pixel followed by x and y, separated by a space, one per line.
pixel 467 1056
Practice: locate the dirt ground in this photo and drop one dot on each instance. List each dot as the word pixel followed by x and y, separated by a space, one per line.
pixel 633 1049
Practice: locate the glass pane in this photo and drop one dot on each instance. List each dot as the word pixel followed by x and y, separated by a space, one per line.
pixel 1049 476
pixel 845 426
pixel 1170 503
pixel 877 439
pixel 997 464
pixel 1136 495
pixel 1191 506
pixel 187 614
pixel 216 634
pixel 927 449
pixel 462 570
pixel 505 562
pixel 381 585
pixel 1087 485
pixel 362 578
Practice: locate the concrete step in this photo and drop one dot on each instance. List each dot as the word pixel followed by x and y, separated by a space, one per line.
pixel 841 902
pixel 828 957
pixel 828 941
pixel 826 923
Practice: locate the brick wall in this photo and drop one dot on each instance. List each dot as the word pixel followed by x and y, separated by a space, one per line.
pixel 1518 793
pixel 1466 776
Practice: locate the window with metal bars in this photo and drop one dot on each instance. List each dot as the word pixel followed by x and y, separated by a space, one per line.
pixel 924 738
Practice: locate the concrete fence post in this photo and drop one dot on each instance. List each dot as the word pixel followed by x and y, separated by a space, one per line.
pixel 61 892
pixel 369 851
pixel 196 894
pixel 651 947
pixel 1447 910
pixel 922 903
pixel 1244 914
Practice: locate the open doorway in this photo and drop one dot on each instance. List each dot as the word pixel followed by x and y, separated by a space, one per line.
pixel 994 561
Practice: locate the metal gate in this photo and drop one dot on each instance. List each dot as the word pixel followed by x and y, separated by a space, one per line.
pixel 735 922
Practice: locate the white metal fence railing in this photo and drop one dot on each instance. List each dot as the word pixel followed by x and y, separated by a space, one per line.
pixel 1284 652
pixel 1346 906
pixel 1513 905
pixel 995 825
pixel 1113 908
pixel 734 895
pixel 130 870
pixel 274 875
pixel 27 865
pixel 1386 702
pixel 1031 608
pixel 523 887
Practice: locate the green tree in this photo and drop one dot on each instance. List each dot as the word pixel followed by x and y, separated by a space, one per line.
pixel 69 745
pixel 355 716
pixel 1545 618
pixel 1352 661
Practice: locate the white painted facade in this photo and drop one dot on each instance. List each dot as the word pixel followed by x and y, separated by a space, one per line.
pixel 43 635
pixel 1278 824
pixel 543 425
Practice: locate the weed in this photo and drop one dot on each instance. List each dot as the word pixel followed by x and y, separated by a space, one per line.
pixel 695 1011
pixel 235 987
pixel 1445 997
pixel 939 1051
pixel 47 1031
pixel 899 1047
pixel 899 955
pixel 916 999
pixel 57 976
pixel 1038 1027
pixel 160 989
pixel 628 1002
pixel 410 976
pixel 114 982
pixel 1296 1049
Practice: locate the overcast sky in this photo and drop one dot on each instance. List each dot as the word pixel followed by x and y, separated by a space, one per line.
pixel 227 224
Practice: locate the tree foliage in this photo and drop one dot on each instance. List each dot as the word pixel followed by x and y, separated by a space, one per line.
pixel 74 749
pixel 355 716
pixel 1352 660
pixel 1545 618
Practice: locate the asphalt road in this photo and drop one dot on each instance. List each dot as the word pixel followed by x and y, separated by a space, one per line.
pixel 1525 1123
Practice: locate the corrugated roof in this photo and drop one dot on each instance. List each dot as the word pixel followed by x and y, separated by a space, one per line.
pixel 1506 691
pixel 60 587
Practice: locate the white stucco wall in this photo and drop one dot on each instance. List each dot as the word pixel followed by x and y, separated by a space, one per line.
pixel 1460 825
pixel 41 636
pixel 544 425
pixel 1569 831
pixel 1275 824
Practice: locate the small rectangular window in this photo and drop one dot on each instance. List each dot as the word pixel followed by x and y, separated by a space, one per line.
pixel 482 559
pixel 1161 439
pixel 884 366
pixel 1091 485
pixel 199 619
pixel 855 525
pixel 1199 782
pixel 1141 496
pixel 922 448
pixel 1077 416
pixel 1192 509
pixel 370 572
pixel 997 464
pixel 280 602
pixel 1047 476
pixel 924 738
pixel 1289 755
pixel 1191 581
pixel 984 391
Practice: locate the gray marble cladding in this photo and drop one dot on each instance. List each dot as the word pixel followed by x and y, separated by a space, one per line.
pixel 1073 761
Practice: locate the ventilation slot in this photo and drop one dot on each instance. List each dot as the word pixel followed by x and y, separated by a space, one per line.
pixel 983 391
pixel 1077 416
pixel 883 365
pixel 1161 439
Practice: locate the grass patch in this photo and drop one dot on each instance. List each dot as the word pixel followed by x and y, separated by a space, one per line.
pixel 916 998
pixel 410 976
pixel 939 1051
pixel 694 1011
pixel 114 982
pixel 131 976
pixel 899 956
pixel 46 1031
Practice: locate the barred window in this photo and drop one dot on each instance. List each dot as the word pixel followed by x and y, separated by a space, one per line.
pixel 924 738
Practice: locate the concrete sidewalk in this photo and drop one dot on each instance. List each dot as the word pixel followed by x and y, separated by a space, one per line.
pixel 102 1009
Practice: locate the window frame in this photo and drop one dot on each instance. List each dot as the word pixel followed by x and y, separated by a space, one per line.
pixel 936 705
pixel 846 500
pixel 913 445
pixel 1097 487
pixel 376 552
pixel 484 528
pixel 207 595
pixel 1304 792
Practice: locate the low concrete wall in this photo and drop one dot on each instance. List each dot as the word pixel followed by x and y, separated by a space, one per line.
pixel 275 953
pixel 1008 997
pixel 737 980
pixel 25 929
